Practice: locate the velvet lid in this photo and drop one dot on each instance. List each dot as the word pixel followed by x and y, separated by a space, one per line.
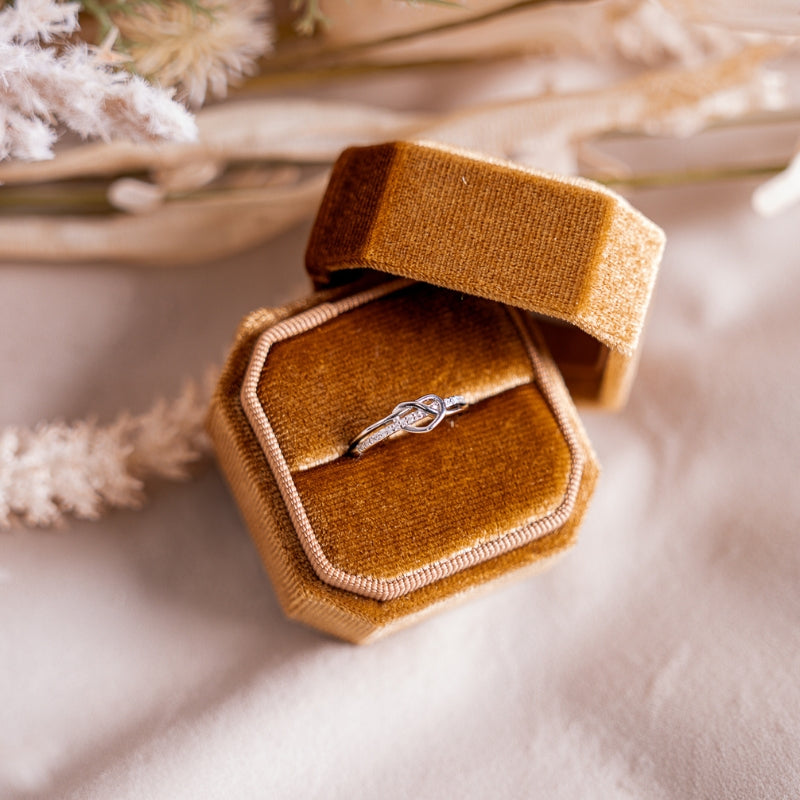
pixel 567 249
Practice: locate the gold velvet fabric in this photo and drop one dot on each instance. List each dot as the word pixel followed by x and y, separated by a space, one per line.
pixel 565 248
pixel 495 466
pixel 413 500
pixel 419 340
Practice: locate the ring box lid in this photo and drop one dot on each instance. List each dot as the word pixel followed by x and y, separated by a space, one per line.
pixel 566 249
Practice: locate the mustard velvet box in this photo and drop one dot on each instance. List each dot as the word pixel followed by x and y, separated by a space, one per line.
pixel 445 281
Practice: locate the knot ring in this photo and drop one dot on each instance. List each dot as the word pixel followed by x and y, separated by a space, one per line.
pixel 413 416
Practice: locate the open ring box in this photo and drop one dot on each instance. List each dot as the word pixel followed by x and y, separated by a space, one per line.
pixel 438 271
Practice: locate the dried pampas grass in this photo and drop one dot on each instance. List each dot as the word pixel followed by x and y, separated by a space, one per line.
pixel 200 50
pixel 71 85
pixel 56 470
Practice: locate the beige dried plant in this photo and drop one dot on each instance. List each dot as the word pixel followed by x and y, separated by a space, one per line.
pixel 43 87
pixel 55 469
pixel 200 49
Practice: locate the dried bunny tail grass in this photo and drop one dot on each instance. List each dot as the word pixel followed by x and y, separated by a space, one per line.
pixel 200 50
pixel 42 87
pixel 83 469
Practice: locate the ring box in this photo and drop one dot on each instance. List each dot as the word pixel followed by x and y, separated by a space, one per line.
pixel 438 272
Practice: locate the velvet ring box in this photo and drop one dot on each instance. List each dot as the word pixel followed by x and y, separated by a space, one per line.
pixel 440 272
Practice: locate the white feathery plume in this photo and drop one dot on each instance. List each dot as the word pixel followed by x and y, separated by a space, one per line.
pixel 83 469
pixel 41 20
pixel 41 87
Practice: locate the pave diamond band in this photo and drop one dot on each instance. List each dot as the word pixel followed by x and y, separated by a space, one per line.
pixel 415 416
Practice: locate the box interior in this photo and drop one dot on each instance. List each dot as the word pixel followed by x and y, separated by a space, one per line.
pixel 581 358
pixel 416 499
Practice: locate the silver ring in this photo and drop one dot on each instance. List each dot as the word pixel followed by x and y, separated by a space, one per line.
pixel 415 416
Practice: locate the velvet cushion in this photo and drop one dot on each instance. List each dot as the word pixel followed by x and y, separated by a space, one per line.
pixel 323 387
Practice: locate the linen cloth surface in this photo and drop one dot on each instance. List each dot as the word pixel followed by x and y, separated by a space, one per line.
pixel 145 656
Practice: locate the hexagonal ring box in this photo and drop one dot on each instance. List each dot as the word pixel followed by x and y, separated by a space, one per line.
pixel 440 274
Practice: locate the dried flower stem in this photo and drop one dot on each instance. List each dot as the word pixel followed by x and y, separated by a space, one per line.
pixel 64 197
pixel 301 60
pixel 269 79
pixel 103 11
pixel 77 198
pixel 669 178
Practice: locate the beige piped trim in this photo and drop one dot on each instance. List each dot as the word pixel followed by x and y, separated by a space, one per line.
pixel 390 588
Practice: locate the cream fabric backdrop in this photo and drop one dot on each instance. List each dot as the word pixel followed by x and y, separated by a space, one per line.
pixel 144 656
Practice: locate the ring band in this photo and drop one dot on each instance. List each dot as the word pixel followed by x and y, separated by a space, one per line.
pixel 415 416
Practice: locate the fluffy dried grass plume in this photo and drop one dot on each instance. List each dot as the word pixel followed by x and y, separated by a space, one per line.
pixel 44 86
pixel 84 469
pixel 38 19
pixel 198 49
